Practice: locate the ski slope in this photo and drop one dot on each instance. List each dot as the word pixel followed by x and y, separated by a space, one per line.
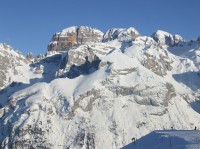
pixel 168 139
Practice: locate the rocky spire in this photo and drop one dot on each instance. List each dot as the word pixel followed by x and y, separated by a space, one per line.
pixel 30 56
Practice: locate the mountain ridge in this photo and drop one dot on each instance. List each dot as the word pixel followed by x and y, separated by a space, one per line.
pixel 99 94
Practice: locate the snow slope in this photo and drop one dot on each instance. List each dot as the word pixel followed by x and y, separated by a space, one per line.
pixel 168 139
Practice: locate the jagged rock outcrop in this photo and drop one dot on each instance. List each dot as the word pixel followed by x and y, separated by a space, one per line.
pixel 39 58
pixel 9 60
pixel 83 60
pixel 121 34
pixel 73 37
pixel 165 38
pixel 150 55
pixel 30 56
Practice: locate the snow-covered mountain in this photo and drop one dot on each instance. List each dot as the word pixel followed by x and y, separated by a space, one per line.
pixel 94 90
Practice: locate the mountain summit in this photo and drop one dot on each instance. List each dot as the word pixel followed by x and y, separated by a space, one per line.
pixel 98 90
pixel 74 36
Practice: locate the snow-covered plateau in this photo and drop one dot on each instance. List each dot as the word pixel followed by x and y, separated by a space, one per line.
pixel 95 90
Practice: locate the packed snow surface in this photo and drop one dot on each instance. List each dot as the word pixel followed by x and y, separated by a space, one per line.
pixel 168 139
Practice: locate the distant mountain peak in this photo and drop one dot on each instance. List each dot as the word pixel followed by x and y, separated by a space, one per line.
pixel 74 36
pixel 165 38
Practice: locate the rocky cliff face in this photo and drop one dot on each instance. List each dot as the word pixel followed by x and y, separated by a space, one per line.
pixel 9 61
pixel 76 36
pixel 73 37
pixel 92 94
pixel 121 34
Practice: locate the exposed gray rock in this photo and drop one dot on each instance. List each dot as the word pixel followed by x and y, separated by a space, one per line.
pixel 82 60
pixel 159 67
pixel 92 95
pixel 39 58
pixel 73 37
pixel 30 56
pixel 9 59
pixel 123 71
pixel 150 54
pixel 170 93
pixel 121 34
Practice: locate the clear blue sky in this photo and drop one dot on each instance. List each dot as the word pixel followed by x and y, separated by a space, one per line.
pixel 28 25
